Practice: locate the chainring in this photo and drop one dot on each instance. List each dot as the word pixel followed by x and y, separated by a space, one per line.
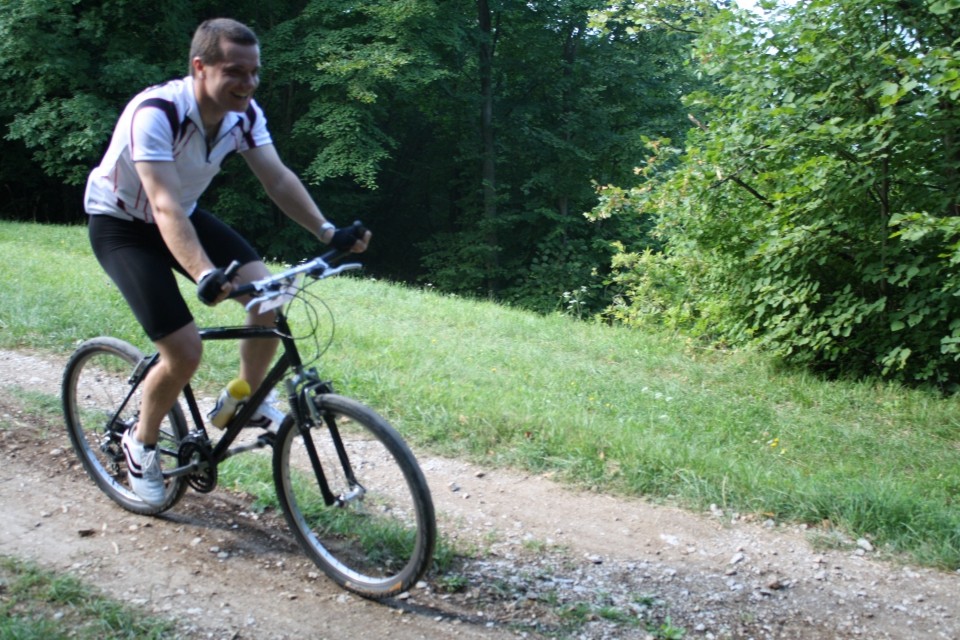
pixel 194 449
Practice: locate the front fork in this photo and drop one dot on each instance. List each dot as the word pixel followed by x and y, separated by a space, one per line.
pixel 310 413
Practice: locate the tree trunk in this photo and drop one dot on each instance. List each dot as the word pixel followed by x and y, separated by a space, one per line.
pixel 489 175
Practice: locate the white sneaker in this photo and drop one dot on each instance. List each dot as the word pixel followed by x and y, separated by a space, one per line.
pixel 143 469
pixel 267 416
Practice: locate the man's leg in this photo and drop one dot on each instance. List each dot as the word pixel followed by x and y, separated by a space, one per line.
pixel 135 257
pixel 180 354
pixel 256 355
pixel 223 245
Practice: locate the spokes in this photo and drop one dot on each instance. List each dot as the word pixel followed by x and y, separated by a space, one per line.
pixel 99 407
pixel 377 535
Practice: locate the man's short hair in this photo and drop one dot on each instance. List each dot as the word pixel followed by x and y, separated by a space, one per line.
pixel 207 38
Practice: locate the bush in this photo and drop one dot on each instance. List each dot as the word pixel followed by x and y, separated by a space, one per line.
pixel 815 211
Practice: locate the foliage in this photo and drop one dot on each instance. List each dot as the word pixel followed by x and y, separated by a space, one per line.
pixel 355 60
pixel 816 200
pixel 68 66
pixel 348 92
pixel 378 106
pixel 571 103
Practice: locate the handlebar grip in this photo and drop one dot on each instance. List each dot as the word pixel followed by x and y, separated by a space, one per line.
pixel 356 231
pixel 231 270
pixel 242 290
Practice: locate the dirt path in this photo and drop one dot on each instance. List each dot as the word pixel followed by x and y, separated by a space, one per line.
pixel 549 562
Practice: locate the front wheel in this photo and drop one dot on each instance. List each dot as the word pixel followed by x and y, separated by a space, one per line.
pixel 96 382
pixel 362 511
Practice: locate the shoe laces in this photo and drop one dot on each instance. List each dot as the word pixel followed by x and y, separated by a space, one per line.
pixel 150 464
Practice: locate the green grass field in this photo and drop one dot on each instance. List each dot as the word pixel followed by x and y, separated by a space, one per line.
pixel 611 409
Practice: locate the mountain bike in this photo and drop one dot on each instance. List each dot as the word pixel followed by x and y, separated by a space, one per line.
pixel 349 487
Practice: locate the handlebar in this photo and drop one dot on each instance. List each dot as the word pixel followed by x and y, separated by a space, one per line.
pixel 318 268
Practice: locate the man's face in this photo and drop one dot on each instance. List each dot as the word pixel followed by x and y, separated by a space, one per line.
pixel 229 84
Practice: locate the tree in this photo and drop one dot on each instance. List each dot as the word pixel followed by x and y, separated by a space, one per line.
pixel 815 208
pixel 66 69
pixel 488 173
pixel 468 134
pixel 568 104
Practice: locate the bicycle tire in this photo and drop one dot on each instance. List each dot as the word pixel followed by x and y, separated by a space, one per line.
pixel 96 379
pixel 378 546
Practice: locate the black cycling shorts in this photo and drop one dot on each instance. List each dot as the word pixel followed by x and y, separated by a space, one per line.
pixel 138 261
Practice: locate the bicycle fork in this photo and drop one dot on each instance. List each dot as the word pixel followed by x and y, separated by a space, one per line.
pixel 310 397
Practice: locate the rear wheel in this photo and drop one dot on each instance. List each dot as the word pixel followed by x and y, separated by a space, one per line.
pixel 376 538
pixel 95 383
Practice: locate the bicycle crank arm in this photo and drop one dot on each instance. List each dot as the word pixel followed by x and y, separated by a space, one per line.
pixel 185 470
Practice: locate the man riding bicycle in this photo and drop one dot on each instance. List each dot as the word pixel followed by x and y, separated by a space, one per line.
pixel 166 148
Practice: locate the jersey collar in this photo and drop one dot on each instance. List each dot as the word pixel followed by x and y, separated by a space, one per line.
pixel 193 112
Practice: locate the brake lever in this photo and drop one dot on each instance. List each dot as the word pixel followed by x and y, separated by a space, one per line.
pixel 275 297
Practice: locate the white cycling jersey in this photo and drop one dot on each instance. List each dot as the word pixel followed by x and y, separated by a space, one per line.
pixel 163 124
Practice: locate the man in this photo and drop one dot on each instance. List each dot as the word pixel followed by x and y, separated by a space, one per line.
pixel 144 223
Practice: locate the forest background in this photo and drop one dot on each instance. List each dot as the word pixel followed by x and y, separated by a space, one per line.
pixel 787 177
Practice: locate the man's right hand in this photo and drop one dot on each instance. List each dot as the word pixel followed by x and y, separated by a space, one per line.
pixel 212 286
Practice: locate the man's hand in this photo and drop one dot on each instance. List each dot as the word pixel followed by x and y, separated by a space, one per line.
pixel 213 286
pixel 354 238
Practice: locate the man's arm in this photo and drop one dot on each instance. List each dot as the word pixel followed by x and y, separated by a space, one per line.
pixel 287 191
pixel 162 184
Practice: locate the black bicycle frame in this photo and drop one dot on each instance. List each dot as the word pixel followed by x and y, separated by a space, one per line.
pixel 289 359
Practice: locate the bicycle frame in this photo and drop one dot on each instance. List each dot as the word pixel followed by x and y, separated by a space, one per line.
pixel 289 360
pixel 322 449
pixel 299 387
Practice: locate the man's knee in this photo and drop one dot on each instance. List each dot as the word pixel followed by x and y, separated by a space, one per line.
pixel 252 271
pixel 248 273
pixel 181 352
pixel 186 363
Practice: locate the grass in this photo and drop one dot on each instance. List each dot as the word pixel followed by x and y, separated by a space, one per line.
pixel 611 409
pixel 40 605
pixel 253 474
